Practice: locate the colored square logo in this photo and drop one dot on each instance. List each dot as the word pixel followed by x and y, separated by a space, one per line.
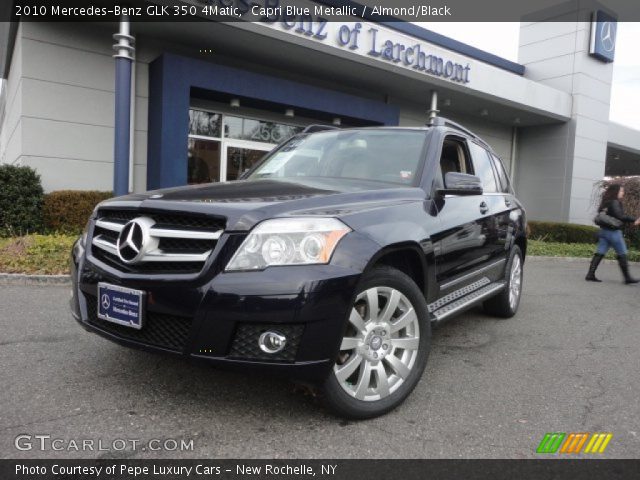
pixel 576 442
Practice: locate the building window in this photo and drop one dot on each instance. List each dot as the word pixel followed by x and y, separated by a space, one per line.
pixel 221 147
pixel 258 130
pixel 204 161
pixel 203 123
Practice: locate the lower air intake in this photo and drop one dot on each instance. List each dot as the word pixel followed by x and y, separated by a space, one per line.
pixel 245 344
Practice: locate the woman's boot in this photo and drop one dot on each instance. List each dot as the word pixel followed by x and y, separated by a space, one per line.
pixel 591 274
pixel 624 266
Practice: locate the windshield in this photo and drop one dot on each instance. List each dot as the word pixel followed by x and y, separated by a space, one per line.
pixel 391 156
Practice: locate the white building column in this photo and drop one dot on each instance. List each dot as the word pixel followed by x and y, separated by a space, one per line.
pixel 559 165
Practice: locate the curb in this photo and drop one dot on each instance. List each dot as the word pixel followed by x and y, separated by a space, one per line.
pixel 20 279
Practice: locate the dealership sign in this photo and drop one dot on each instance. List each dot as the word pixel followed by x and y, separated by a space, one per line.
pixel 377 42
pixel 324 25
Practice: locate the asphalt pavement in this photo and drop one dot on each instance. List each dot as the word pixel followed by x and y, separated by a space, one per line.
pixel 568 362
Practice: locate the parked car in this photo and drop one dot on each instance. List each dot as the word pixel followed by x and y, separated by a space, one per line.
pixel 328 262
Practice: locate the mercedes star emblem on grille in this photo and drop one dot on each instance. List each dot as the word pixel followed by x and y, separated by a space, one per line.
pixel 134 240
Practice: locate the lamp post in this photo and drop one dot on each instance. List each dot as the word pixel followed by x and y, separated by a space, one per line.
pixel 124 57
pixel 433 108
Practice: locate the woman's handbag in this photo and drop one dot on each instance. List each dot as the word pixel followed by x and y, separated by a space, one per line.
pixel 607 221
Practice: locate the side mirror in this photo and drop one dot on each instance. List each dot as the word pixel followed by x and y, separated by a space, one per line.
pixel 456 183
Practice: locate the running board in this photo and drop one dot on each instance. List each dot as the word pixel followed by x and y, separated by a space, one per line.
pixel 468 300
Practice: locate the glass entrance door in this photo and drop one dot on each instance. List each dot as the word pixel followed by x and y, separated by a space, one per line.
pixel 240 156
pixel 221 147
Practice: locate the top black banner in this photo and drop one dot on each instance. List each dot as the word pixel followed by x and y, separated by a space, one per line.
pixel 292 11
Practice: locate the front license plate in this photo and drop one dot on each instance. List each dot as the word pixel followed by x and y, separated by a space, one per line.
pixel 121 305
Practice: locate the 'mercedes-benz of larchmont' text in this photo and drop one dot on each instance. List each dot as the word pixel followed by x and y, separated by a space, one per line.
pixel 183 471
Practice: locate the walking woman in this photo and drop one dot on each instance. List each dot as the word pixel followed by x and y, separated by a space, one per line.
pixel 611 237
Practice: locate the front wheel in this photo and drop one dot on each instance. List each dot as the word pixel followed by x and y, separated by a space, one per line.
pixel 384 349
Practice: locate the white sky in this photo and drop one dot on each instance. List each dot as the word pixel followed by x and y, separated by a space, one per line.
pixel 501 38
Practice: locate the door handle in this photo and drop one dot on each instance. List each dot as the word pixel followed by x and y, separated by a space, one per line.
pixel 507 202
pixel 484 208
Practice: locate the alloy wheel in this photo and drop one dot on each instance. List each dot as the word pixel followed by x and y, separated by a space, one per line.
pixel 380 346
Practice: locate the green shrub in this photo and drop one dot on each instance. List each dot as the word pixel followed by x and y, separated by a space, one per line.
pixel 20 200
pixel 36 254
pixel 583 250
pixel 67 211
pixel 632 235
pixel 562 232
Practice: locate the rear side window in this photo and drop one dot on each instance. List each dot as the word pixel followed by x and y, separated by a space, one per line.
pixel 482 167
pixel 502 174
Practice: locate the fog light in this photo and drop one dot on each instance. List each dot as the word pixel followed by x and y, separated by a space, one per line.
pixel 272 342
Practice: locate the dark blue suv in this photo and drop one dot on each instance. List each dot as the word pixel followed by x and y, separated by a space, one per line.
pixel 328 262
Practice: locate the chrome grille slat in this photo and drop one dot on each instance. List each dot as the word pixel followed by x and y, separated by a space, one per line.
pixel 191 234
pixel 105 245
pixel 107 225
pixel 179 241
pixel 162 256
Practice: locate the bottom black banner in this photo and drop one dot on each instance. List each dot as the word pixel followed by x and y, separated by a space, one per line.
pixel 114 469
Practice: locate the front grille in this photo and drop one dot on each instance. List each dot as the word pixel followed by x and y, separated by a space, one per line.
pixel 245 342
pixel 159 330
pixel 161 242
pixel 148 268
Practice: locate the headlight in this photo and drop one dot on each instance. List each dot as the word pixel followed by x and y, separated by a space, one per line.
pixel 289 241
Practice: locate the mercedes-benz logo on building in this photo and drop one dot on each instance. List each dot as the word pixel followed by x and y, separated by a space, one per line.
pixel 608 36
pixel 135 240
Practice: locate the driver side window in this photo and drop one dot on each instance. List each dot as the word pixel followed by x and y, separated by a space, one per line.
pixel 454 157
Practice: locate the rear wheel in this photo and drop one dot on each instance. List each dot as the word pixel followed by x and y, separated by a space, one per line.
pixel 506 303
pixel 384 348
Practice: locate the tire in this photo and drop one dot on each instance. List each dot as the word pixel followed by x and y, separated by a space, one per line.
pixel 383 354
pixel 505 304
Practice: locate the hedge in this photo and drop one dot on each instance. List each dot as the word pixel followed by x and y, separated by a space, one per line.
pixel 36 254
pixel 20 200
pixel 67 211
pixel 562 232
pixel 583 250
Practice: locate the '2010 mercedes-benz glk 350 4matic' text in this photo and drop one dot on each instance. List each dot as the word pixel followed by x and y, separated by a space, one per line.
pixel 328 262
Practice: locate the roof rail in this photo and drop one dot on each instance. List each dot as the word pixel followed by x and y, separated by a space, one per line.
pixel 445 122
pixel 318 128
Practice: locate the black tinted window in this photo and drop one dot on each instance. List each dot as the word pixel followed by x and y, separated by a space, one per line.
pixel 483 168
pixel 502 175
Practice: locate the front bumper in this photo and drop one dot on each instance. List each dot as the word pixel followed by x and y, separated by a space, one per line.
pixel 218 318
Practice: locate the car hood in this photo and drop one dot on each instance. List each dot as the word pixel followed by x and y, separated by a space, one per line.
pixel 247 202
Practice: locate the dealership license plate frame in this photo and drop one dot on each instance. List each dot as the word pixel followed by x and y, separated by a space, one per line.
pixel 109 290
